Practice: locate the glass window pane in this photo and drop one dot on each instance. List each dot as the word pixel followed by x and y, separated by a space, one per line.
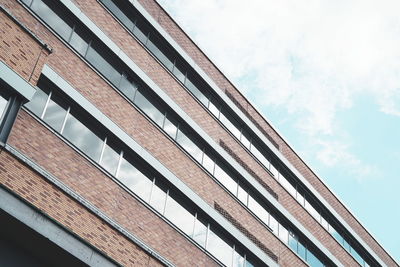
pixel 243 195
pixel 27 2
pixel 219 248
pixel 148 108
pixel 293 242
pixel 225 179
pixel 208 163
pixel 346 245
pixel 287 185
pixel 274 171
pixel 335 234
pixel 300 198
pixel 313 261
pixel 324 223
pixel 179 215
pixel 151 45
pixel 52 19
pixel 189 146
pixel 54 115
pixel 80 42
pixel 312 210
pixel 238 260
pixel 83 138
pixel 36 105
pixel 301 250
pixel 258 210
pixel 135 180
pixel 140 32
pixel 118 13
pixel 158 197
pixel 179 72
pixel 170 126
pixel 3 104
pixel 127 87
pixel 103 66
pixel 110 159
pixel 214 109
pixel 196 92
pixel 357 256
pixel 273 224
pixel 230 126
pixel 245 141
pixel 200 232
pixel 283 234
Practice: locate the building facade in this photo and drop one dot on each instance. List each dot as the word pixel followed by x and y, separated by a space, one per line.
pixel 123 145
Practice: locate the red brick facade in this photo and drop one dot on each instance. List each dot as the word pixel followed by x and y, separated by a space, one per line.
pixel 26 56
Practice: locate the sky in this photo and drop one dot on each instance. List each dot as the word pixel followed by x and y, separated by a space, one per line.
pixel 326 74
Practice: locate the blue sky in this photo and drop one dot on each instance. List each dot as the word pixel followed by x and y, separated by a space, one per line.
pixel 327 75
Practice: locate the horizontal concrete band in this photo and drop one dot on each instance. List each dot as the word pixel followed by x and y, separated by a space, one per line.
pixel 16 83
pixel 158 166
pixel 252 181
pixel 40 223
pixel 249 123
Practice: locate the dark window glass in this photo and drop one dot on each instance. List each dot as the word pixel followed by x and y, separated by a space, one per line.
pixel 128 87
pixel 102 65
pixel 141 32
pixel 219 248
pixel 160 55
pixel 179 215
pixel 36 105
pixel 200 232
pixel 80 41
pixel 55 114
pixel 196 92
pixel 179 71
pixel 134 179
pixel 189 146
pixel 48 15
pixel 82 137
pixel 142 102
pixel 110 159
pixel 116 11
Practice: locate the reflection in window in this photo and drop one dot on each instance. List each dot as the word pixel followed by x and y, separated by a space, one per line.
pixel 148 108
pixel 110 159
pixel 37 103
pixel 189 146
pixel 158 197
pixel 170 126
pixel 225 179
pixel 179 216
pixel 135 180
pixel 3 104
pixel 51 18
pixel 54 115
pixel 219 248
pixel 83 138
pixel 200 232
pixel 127 87
pixel 79 42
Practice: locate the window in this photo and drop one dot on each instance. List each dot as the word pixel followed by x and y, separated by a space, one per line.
pixel 225 179
pixel 219 248
pixel 55 114
pixel 3 105
pixel 36 105
pixel 158 196
pixel 134 179
pixel 283 234
pixel 170 126
pixel 110 158
pixel 80 41
pixel 200 231
pixel 148 108
pixel 82 137
pixel 189 146
pixel 258 210
pixel 179 215
pixel 128 87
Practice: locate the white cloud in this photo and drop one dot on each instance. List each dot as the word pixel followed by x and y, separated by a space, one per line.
pixel 311 58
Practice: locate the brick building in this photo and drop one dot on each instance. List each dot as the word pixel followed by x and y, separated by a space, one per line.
pixel 122 144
